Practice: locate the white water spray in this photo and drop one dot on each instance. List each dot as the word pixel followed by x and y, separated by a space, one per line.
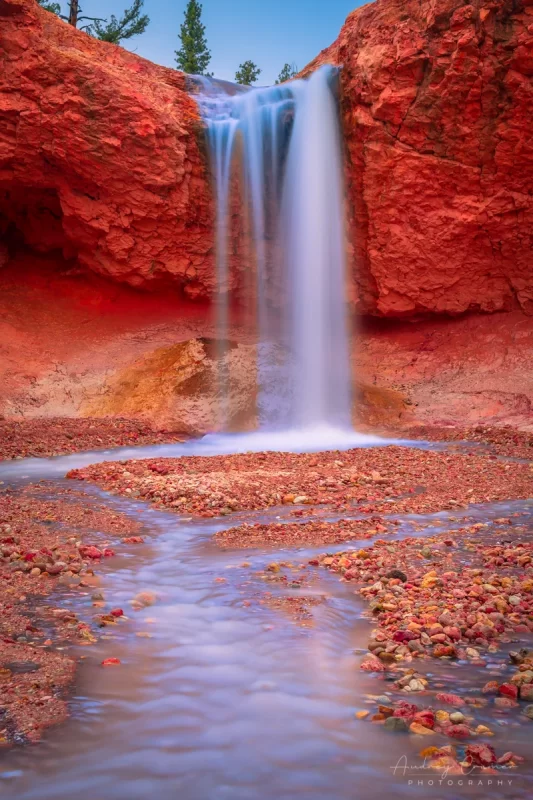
pixel 288 142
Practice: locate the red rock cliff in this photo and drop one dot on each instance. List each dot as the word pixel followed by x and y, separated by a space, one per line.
pixel 100 154
pixel 104 187
pixel 438 108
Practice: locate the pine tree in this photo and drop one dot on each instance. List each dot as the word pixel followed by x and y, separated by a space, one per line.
pixel 247 73
pixel 288 72
pixel 73 14
pixel 193 56
pixel 132 23
pixel 54 8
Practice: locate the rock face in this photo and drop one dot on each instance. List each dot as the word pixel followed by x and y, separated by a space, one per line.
pixel 437 100
pixel 77 345
pixel 475 368
pixel 177 385
pixel 100 155
pixel 107 221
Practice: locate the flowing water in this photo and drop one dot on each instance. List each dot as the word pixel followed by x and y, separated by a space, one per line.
pixel 226 700
pixel 285 143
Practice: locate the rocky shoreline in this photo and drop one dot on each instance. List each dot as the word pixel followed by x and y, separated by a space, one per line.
pixel 374 480
pixel 49 550
pixel 459 596
pixel 56 436
pixel 462 597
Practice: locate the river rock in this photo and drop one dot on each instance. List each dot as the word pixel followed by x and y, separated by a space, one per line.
pixel 526 691
pixel 457 717
pixel 146 598
pixel 482 755
pixel 396 724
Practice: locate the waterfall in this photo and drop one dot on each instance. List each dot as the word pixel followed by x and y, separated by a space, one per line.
pixel 283 143
pixel 313 214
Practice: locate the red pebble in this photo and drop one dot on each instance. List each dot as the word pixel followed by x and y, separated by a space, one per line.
pixel 450 699
pixel 111 662
pixel 509 690
pixel 372 664
pixel 425 718
pixel 90 551
pixel 457 731
pixel 117 612
pixel 482 755
pixel 405 710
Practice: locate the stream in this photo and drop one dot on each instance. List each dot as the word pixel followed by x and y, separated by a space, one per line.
pixel 216 699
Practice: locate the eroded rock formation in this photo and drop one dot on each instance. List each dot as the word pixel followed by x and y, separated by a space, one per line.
pixel 100 155
pixel 106 219
pixel 437 107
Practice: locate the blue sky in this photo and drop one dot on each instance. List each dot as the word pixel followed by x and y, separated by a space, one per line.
pixel 270 32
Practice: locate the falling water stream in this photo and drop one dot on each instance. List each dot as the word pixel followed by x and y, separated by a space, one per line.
pixel 285 142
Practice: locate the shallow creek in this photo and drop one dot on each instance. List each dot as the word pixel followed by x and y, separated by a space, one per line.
pixel 228 701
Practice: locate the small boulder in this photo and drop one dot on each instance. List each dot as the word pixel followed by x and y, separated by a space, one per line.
pixel 396 724
pixel 508 690
pixel 397 574
pixel 482 755
pixel 456 717
pixel 144 599
pixel 526 691
pixel 458 731
pixel 372 664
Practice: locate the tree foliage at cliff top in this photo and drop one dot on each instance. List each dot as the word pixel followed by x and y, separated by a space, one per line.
pixel 247 73
pixel 288 71
pixel 132 23
pixel 193 56
pixel 54 8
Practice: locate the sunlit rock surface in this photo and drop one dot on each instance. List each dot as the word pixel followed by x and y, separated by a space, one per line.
pixel 437 98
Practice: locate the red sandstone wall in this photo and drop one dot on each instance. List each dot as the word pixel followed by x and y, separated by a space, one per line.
pixel 100 155
pixel 438 116
pixel 102 173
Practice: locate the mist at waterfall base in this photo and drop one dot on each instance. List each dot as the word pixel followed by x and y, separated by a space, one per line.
pixel 285 142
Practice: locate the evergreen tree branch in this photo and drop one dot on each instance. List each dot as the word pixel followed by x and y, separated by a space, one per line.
pixel 193 56
pixel 132 23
